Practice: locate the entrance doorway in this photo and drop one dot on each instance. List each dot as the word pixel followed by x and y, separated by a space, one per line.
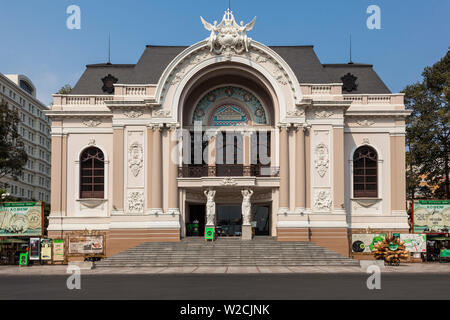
pixel 229 220
pixel 196 224
pixel 261 215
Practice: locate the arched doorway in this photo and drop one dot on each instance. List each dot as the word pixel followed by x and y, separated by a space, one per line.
pixel 228 116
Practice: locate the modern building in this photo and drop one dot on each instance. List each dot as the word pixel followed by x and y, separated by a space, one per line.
pixel 233 134
pixel 20 94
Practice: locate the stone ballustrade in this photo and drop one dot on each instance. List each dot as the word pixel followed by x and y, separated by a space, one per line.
pixel 375 99
pixel 333 92
pixel 69 100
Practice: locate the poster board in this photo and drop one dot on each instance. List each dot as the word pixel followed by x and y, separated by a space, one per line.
pixel 35 249
pixel 21 219
pixel 414 242
pixel 86 244
pixel 58 250
pixel 46 249
pixel 431 216
pixel 364 242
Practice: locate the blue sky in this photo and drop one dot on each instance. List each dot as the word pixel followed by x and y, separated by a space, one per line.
pixel 36 42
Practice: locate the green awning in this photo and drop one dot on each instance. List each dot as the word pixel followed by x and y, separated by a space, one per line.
pixel 7 241
pixel 438 238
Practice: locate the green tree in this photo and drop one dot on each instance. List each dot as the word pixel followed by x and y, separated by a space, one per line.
pixel 66 89
pixel 428 130
pixel 12 150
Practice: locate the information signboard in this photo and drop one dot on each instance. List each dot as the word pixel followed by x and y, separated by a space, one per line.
pixel 431 216
pixel 35 248
pixel 414 242
pixel 86 244
pixel 58 250
pixel 21 219
pixel 364 242
pixel 46 249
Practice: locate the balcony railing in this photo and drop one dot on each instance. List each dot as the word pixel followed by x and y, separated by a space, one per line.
pixel 227 170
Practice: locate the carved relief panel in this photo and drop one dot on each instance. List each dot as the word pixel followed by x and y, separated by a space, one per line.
pixel 134 168
pixel 321 168
pixel 321 158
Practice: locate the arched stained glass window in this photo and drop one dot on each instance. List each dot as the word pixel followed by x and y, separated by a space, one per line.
pixel 365 174
pixel 92 173
pixel 229 115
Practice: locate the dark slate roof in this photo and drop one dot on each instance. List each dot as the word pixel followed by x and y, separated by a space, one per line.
pixel 367 80
pixel 302 60
pixel 91 82
pixel 304 63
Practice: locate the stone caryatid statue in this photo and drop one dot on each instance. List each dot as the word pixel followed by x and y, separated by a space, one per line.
pixel 210 207
pixel 228 35
pixel 246 206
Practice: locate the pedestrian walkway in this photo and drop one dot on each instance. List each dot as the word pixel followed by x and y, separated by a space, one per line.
pixel 409 268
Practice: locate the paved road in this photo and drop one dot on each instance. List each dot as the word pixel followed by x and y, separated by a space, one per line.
pixel 227 286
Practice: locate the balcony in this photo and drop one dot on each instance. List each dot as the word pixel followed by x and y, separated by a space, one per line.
pixel 227 170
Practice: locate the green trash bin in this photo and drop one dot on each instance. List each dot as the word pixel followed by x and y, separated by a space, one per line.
pixel 209 233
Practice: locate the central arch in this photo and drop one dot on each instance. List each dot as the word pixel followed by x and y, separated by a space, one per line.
pixel 261 62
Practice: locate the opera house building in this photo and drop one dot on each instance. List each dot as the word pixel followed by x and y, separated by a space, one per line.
pixel 231 134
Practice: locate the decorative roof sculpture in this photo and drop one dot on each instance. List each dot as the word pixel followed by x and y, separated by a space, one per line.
pixel 228 36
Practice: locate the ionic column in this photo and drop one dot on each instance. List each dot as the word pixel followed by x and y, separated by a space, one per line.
pixel 308 169
pixel 173 168
pixel 247 146
pixel 118 169
pixel 64 176
pixel 157 200
pixel 284 169
pixel 338 171
pixel 149 166
pixel 300 179
pixel 212 155
pixel 57 175
pixel 398 176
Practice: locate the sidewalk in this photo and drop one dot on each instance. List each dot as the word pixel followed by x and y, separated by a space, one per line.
pixel 61 270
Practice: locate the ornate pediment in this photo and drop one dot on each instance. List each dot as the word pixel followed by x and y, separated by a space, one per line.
pixel 228 36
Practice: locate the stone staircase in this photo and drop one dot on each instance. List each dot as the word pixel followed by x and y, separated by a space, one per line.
pixel 261 251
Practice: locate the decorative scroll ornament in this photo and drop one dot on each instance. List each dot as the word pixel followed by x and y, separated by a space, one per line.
pixel 365 123
pixel 324 114
pixel 296 113
pixel 228 35
pixel 210 207
pixel 91 123
pixel 228 181
pixel 246 206
pixel 322 200
pixel 161 113
pixel 133 114
pixel 135 158
pixel 322 159
pixel 136 202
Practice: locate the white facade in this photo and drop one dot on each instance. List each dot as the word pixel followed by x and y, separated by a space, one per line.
pixel 315 129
